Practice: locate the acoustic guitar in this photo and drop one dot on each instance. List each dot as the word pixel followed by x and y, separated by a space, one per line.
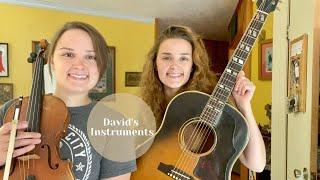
pixel 201 136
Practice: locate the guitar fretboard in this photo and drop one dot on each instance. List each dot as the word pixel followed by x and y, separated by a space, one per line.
pixel 224 87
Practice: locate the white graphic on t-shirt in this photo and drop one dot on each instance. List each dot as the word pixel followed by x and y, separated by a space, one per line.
pixel 79 149
pixel 80 167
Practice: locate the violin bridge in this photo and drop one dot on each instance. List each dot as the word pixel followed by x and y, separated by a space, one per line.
pixel 28 157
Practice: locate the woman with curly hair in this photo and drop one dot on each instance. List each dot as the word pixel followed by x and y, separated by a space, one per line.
pixel 178 62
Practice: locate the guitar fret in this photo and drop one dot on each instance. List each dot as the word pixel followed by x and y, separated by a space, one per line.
pixel 244 47
pixel 211 113
pixel 249 40
pixel 227 81
pixel 224 91
pixel 238 51
pixel 258 24
pixel 244 42
pixel 243 52
pixel 225 85
pixel 253 32
pixel 258 20
pixel 262 17
pixel 238 60
pixel 221 96
pixel 251 36
pixel 233 68
pixel 262 12
pixel 231 77
pixel 240 54
pixel 215 103
pixel 230 72
pixel 236 66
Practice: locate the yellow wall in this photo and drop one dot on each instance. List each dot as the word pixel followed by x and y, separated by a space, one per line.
pixel 263 88
pixel 20 25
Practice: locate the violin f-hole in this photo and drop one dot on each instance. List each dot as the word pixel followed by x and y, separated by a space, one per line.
pixel 55 166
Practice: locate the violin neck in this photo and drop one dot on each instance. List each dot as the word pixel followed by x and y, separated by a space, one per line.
pixel 37 92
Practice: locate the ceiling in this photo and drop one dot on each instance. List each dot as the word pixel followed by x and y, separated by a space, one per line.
pixel 210 18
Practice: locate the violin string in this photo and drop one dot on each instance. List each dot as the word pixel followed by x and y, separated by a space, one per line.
pixel 24 170
pixel 31 105
pixel 20 169
pixel 40 77
pixel 37 77
pixel 36 90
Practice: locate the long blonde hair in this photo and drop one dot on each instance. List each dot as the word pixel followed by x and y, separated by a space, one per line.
pixel 201 78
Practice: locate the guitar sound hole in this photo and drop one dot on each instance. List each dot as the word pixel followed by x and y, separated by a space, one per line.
pixel 198 137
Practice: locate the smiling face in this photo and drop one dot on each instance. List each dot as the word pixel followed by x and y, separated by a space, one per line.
pixel 74 63
pixel 174 63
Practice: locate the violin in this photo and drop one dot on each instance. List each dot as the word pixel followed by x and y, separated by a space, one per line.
pixel 47 115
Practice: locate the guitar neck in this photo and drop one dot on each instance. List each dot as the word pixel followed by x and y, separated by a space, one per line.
pixel 224 87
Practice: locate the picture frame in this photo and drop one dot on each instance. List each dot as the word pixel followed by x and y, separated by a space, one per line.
pixel 297 73
pixel 265 59
pixel 6 92
pixel 4 60
pixel 132 79
pixel 106 85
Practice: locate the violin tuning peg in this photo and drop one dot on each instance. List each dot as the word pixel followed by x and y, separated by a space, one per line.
pixel 32 57
pixel 30 60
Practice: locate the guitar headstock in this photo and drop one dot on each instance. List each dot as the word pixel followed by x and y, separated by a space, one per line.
pixel 267 5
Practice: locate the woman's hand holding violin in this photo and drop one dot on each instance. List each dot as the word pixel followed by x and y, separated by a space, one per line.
pixel 25 141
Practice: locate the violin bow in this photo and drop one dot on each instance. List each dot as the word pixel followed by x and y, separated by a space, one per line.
pixel 12 139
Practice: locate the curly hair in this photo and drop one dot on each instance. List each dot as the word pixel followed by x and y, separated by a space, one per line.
pixel 201 78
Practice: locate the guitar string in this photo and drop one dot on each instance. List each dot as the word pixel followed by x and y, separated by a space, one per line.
pixel 208 112
pixel 212 114
pixel 205 114
pixel 255 21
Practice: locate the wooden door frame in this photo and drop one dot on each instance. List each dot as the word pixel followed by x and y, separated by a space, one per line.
pixel 279 93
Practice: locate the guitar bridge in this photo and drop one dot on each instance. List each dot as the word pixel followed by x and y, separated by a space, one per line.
pixel 173 172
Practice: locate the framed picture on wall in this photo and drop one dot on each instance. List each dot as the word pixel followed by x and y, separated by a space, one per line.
pixel 265 60
pixel 6 92
pixel 106 85
pixel 132 79
pixel 4 60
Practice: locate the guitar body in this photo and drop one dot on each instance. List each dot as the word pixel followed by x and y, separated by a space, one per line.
pixel 172 156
